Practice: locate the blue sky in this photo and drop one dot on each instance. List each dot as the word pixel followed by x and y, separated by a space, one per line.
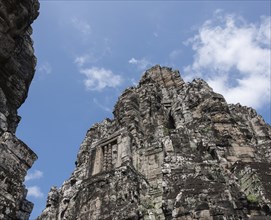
pixel 89 51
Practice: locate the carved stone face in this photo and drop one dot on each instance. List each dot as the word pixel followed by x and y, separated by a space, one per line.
pixel 214 103
pixel 219 105
pixel 53 197
pixel 15 50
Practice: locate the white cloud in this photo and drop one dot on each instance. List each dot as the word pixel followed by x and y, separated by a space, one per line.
pixel 234 57
pixel 81 25
pixel 45 68
pixel 37 174
pixel 99 78
pixel 141 64
pixel 133 61
pixel 105 108
pixel 82 60
pixel 34 191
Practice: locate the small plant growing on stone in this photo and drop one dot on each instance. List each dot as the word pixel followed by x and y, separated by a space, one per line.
pixel 252 198
pixel 205 130
pixel 166 131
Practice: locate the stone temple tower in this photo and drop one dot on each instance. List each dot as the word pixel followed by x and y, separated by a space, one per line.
pixel 173 150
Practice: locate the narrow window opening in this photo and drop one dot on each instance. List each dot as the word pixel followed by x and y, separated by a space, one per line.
pixel 171 122
pixel 73 181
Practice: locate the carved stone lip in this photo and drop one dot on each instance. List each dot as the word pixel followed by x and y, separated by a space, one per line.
pixel 20 149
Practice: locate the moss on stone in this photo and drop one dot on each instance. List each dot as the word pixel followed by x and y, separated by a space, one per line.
pixel 252 198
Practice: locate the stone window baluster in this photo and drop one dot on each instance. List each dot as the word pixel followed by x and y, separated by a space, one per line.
pixel 105 159
pixel 109 157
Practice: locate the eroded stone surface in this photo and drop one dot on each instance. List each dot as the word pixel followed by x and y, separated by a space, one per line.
pixel 17 67
pixel 174 150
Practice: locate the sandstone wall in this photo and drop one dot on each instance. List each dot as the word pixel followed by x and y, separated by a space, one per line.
pixel 174 150
pixel 17 67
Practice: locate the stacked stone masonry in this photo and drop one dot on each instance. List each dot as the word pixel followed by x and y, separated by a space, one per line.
pixel 17 67
pixel 174 150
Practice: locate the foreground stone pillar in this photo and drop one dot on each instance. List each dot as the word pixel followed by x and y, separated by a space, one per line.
pixel 17 67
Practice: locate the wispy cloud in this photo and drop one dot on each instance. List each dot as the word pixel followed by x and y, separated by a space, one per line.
pixel 99 78
pixel 96 53
pixel 81 25
pixel 34 191
pixel 44 68
pixel 155 34
pixel 105 108
pixel 37 174
pixel 141 64
pixel 134 82
pixel 234 57
pixel 84 59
